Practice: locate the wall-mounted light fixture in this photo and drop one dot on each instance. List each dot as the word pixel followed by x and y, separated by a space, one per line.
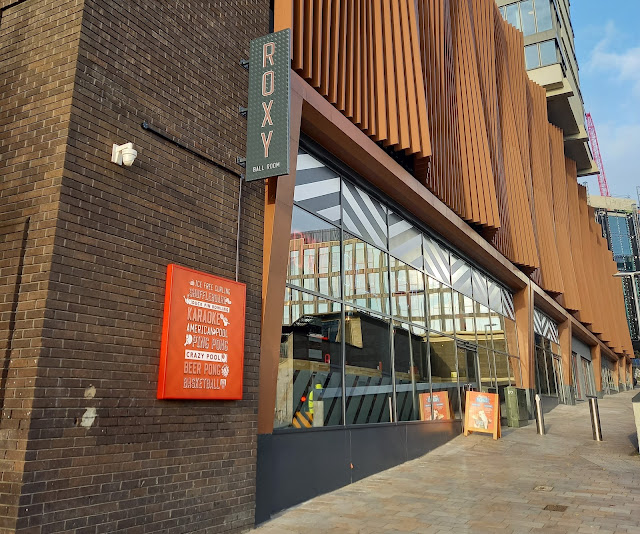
pixel 123 154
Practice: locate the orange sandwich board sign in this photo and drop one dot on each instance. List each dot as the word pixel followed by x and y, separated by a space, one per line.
pixel 202 351
pixel 482 413
pixel 435 407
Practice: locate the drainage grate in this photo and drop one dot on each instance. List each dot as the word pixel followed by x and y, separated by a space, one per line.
pixel 556 508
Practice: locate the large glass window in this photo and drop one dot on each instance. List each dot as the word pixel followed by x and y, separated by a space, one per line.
pixel 444 371
pixel 512 15
pixel 372 330
pixel 368 371
pixel 463 308
pixel 587 370
pixel 312 265
pixel 531 56
pixel 366 275
pixel 548 53
pixel 483 324
pixel 407 292
pixel 411 371
pixel 548 367
pixel 309 391
pixel 543 15
pixel 530 16
pixel 440 306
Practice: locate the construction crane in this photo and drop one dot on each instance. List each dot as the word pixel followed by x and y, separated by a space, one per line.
pixel 595 149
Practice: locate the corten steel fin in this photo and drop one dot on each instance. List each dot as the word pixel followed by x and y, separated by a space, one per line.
pixel 363 56
pixel 445 81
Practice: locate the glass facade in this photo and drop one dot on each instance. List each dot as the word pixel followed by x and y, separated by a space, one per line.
pixel 548 360
pixel 541 54
pixel 608 381
pixel 381 322
pixel 621 241
pixel 529 16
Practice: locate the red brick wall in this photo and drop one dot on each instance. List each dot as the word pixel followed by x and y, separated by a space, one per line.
pixel 143 465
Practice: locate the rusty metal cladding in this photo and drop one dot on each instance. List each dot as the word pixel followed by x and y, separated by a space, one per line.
pixel 444 82
pixel 363 57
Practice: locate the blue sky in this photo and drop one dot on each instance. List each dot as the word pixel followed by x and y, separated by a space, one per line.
pixel 608 49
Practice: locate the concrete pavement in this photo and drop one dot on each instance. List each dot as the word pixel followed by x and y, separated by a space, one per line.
pixel 475 484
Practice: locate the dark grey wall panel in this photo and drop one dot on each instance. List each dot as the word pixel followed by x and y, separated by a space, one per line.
pixel 422 438
pixel 295 466
pixel 376 448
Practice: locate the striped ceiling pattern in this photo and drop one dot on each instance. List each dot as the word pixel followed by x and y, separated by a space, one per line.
pixel 445 81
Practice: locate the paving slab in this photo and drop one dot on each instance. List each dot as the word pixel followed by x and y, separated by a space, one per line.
pixel 475 484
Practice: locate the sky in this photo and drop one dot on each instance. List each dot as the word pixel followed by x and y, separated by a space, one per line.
pixel 607 43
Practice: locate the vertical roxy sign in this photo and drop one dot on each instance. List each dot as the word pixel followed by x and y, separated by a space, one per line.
pixel 269 105
pixel 202 351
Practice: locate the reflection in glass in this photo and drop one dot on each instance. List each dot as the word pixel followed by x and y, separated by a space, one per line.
pixel 543 15
pixel 411 370
pixel 483 324
pixel 548 374
pixel 528 20
pixel 487 368
pixel 444 368
pixel 366 281
pixel 513 15
pixel 440 306
pixel 464 317
pixel 407 292
pixel 587 369
pixel 367 368
pixel 311 265
pixel 542 386
pixel 309 391
pixel 548 54
pixel 552 376
pixel 515 371
pixel 531 56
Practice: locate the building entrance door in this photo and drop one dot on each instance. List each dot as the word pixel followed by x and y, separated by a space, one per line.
pixel 468 366
pixel 577 389
pixel 559 378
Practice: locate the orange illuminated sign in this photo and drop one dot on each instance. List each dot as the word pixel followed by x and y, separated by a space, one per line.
pixel 202 351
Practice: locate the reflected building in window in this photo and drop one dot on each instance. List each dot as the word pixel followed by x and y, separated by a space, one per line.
pixel 550 60
pixel 381 321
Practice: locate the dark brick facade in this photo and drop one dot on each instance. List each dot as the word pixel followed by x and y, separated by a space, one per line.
pixel 84 246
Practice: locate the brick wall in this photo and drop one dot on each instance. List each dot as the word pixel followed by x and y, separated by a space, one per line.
pixel 143 465
pixel 38 50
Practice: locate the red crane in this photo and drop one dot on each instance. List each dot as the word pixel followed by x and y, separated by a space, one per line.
pixel 595 148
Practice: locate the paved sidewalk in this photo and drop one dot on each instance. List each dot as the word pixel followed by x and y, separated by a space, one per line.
pixel 478 485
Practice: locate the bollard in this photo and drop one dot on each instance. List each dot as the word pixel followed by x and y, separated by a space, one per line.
pixel 595 418
pixel 539 416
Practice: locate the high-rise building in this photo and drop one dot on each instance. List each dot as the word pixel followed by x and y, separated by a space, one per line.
pixel 550 59
pixel 621 227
